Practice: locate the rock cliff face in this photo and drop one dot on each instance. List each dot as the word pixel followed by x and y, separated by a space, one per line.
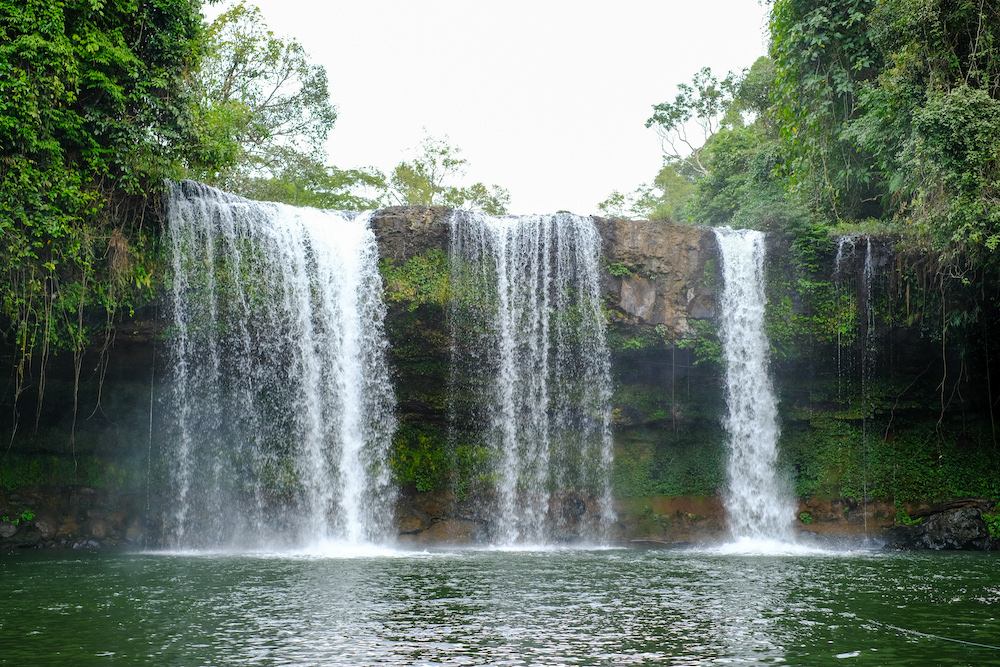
pixel 661 283
pixel 662 273
pixel 405 231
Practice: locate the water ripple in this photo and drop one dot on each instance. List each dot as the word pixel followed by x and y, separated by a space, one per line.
pixel 482 607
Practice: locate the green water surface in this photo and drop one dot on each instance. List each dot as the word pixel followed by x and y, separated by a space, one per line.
pixel 488 607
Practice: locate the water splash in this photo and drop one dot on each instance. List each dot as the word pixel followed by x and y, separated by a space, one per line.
pixel 755 546
pixel 526 315
pixel 758 506
pixel 281 409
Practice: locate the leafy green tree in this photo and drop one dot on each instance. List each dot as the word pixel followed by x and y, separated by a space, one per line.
pixel 709 104
pixel 664 199
pixel 822 54
pixel 263 105
pixel 734 156
pixel 619 205
pixel 424 181
pixel 735 170
pixel 745 185
pixel 754 93
pixel 305 181
pixel 931 118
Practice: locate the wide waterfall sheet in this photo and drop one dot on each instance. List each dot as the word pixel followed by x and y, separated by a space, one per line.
pixel 281 408
pixel 528 329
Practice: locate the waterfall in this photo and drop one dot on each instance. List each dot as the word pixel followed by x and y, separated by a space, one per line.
pixel 865 349
pixel 757 504
pixel 281 410
pixel 869 353
pixel 529 336
pixel 843 321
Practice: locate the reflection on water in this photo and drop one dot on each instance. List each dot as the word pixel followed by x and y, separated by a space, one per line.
pixel 482 607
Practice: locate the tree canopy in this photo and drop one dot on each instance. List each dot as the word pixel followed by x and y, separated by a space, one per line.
pixel 260 98
pixel 665 198
pixel 707 103
pixel 265 111
pixel 865 112
pixel 425 181
pixel 930 118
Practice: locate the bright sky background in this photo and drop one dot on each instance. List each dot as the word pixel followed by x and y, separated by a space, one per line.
pixel 546 98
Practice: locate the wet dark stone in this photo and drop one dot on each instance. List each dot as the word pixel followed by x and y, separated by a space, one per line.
pixel 954 528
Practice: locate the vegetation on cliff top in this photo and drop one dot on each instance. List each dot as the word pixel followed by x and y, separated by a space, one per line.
pixel 878 113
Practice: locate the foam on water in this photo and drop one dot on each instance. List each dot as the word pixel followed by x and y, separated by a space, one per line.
pixel 752 546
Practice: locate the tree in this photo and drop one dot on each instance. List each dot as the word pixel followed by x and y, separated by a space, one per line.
pixel 822 55
pixel 424 181
pixel 263 105
pixel 745 185
pixel 664 199
pixel 709 103
pixel 931 118
pixel 305 181
pixel 892 108
pixel 733 167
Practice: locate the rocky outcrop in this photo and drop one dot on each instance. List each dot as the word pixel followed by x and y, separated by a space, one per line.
pixel 663 274
pixel 441 517
pixel 447 531
pixel 404 231
pixel 957 525
pixel 657 247
pixel 844 517
pixel 675 520
pixel 77 517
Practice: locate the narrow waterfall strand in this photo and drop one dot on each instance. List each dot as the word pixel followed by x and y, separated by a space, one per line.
pixel 757 504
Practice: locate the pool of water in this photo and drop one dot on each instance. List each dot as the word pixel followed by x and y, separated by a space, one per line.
pixel 499 607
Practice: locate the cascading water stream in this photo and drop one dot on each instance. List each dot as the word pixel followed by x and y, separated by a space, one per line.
pixel 281 409
pixel 527 320
pixel 867 365
pixel 866 350
pixel 843 287
pixel 757 504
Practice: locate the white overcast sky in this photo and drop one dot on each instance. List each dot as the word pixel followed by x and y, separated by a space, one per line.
pixel 546 98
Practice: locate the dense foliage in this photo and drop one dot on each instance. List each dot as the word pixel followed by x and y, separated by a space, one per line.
pixel 871 123
pixel 871 117
pixel 94 112
pixel 888 113
pixel 931 118
pixel 876 112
